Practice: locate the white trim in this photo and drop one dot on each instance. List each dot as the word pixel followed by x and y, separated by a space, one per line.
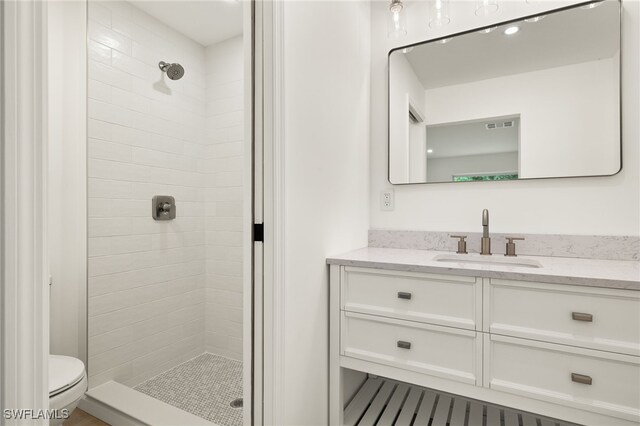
pixel 23 261
pixel 272 23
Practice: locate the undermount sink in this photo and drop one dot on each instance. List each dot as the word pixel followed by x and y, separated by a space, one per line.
pixel 488 260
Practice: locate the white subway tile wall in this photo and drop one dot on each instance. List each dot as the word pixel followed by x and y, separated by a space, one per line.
pixel 161 292
pixel 224 133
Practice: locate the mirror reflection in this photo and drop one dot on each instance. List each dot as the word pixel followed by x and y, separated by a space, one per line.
pixel 537 98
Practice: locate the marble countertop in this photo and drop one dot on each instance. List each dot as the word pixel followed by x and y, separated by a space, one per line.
pixel 619 274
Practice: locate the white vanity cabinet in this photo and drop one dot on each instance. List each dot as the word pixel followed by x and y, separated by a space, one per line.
pixel 588 317
pixel 447 300
pixel 564 351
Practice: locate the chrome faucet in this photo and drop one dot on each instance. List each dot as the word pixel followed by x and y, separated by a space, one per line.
pixel 485 245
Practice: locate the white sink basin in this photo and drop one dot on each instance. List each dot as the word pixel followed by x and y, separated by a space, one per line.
pixel 496 260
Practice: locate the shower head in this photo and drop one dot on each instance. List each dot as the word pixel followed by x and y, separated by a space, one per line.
pixel 174 71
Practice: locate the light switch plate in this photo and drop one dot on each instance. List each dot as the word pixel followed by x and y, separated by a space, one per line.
pixel 387 200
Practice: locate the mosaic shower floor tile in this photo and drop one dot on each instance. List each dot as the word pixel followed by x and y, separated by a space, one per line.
pixel 204 386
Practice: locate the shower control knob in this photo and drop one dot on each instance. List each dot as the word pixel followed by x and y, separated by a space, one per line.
pixel 163 207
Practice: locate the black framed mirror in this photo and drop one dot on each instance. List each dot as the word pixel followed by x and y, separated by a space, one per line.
pixel 533 98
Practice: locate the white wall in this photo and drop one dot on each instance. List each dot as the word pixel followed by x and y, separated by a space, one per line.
pixel 326 86
pixel 569 121
pixel 602 206
pixel 442 169
pixel 146 138
pixel 404 138
pixel 224 135
pixel 67 184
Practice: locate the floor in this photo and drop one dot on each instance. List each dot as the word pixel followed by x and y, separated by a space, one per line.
pixel 81 418
pixel 204 386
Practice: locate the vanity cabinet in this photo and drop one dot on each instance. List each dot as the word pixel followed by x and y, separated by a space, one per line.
pixel 447 300
pixel 598 381
pixel 588 317
pixel 450 353
pixel 565 351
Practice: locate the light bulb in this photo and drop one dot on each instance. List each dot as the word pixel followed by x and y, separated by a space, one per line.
pixel 439 13
pixel 591 5
pixel 396 24
pixel 511 30
pixel 535 19
pixel 487 30
pixel 486 7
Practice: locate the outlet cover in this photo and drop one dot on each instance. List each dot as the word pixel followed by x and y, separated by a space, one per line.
pixel 387 200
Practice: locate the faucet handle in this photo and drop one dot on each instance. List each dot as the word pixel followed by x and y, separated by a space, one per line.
pixel 462 244
pixel 512 239
pixel 511 246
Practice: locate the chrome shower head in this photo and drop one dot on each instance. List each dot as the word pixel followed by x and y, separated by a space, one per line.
pixel 174 71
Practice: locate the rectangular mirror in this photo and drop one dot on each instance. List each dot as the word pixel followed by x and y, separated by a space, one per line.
pixel 535 98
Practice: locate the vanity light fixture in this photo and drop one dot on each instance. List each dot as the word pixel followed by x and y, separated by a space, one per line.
pixel 397 20
pixel 535 19
pixel 488 30
pixel 512 30
pixel 438 13
pixel 486 7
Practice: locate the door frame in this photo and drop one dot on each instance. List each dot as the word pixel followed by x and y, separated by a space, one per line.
pixel 24 296
pixel 269 189
pixel 24 309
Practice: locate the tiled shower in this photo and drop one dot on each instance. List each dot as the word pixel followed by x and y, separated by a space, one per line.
pixel 162 292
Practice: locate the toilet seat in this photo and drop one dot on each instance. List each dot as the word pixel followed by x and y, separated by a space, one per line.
pixel 64 373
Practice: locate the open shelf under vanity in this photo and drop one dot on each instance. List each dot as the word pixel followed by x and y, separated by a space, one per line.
pixel 381 401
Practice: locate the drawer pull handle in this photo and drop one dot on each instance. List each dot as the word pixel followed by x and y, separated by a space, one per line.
pixel 579 316
pixel 404 345
pixel 403 295
pixel 581 378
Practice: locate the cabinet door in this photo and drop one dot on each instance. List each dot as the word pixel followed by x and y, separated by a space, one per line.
pixel 446 352
pixel 448 300
pixel 597 318
pixel 597 381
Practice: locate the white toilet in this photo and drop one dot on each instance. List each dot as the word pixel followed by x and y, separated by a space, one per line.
pixel 67 383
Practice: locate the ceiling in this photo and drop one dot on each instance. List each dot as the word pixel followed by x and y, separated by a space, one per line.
pixel 563 38
pixel 205 22
pixel 472 138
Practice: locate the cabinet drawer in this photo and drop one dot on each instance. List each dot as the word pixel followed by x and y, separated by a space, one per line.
pixel 596 318
pixel 448 300
pixel 597 381
pixel 438 351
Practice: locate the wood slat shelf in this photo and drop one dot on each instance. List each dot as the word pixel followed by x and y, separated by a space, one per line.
pixel 384 402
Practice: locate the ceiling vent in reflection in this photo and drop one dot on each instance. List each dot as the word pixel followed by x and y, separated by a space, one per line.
pixel 504 125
